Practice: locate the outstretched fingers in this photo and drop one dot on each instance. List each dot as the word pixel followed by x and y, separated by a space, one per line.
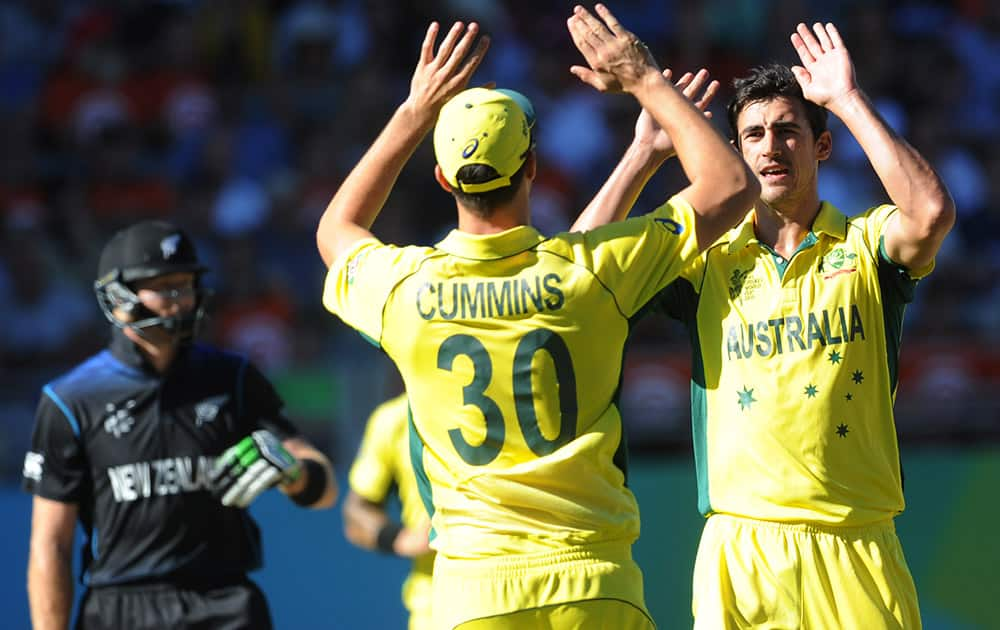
pixel 578 33
pixel 835 38
pixel 442 73
pixel 447 46
pixel 805 44
pixel 461 48
pixel 594 29
pixel 427 48
pixel 611 21
pixel 822 37
pixel 472 61
pixel 698 85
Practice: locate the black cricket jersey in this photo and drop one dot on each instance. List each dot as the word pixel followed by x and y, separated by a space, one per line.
pixel 134 448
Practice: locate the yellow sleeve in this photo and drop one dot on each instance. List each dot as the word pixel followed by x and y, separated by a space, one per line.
pixel 360 281
pixel 636 258
pixel 372 474
pixel 875 222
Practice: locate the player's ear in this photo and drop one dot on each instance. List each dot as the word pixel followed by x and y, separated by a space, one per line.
pixel 439 176
pixel 530 166
pixel 824 146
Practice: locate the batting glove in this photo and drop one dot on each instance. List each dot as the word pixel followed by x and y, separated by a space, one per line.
pixel 253 465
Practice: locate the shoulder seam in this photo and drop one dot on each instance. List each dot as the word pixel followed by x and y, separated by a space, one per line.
pixel 614 298
pixel 704 272
pixel 435 253
pixel 852 225
pixel 54 397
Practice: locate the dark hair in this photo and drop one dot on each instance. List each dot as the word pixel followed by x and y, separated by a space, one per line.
pixel 484 203
pixel 765 83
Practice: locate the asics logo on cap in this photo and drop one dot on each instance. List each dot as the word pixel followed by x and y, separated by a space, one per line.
pixel 168 246
pixel 470 148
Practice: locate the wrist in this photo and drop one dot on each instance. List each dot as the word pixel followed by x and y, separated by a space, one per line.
pixel 312 483
pixel 645 152
pixel 850 101
pixel 295 484
pixel 416 117
pixel 643 156
pixel 385 541
pixel 650 78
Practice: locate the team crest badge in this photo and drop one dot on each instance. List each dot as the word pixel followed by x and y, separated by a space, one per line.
pixel 837 262
pixel 119 421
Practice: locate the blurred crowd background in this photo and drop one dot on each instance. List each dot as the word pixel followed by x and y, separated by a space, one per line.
pixel 238 119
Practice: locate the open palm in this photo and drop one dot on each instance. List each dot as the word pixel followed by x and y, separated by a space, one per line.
pixel 827 72
pixel 646 129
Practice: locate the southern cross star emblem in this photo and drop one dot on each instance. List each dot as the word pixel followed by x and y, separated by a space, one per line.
pixel 834 357
pixel 858 376
pixel 811 391
pixel 842 430
pixel 746 398
pixel 848 396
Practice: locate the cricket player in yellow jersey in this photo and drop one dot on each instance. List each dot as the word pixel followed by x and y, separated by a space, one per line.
pixel 795 319
pixel 382 465
pixel 510 344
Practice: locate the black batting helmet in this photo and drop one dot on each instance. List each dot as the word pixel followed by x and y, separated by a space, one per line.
pixel 146 250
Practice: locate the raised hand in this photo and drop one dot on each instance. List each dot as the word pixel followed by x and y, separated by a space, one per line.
pixel 443 74
pixel 646 129
pixel 618 59
pixel 826 73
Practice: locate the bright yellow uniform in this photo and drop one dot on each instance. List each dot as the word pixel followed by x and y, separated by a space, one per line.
pixel 383 463
pixel 510 346
pixel 793 381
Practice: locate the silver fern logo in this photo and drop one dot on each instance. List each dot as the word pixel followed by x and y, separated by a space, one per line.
pixel 168 246
pixel 205 412
pixel 119 421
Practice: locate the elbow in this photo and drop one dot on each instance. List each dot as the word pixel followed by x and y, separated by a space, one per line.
pixel 739 194
pixel 747 189
pixel 937 218
pixel 944 215
pixel 324 239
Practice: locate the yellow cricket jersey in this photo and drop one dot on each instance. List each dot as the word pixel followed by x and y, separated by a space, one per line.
pixel 383 463
pixel 794 372
pixel 511 349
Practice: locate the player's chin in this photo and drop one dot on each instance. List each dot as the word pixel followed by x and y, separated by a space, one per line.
pixel 774 194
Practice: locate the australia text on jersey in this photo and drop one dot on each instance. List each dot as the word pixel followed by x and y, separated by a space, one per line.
pixel 487 298
pixel 793 333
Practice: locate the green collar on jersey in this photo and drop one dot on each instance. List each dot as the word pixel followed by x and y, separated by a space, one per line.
pixel 490 246
pixel 829 221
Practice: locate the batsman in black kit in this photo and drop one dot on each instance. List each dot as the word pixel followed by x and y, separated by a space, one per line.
pixel 156 445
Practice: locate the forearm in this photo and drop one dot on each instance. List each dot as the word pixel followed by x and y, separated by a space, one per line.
pixel 616 197
pixel 361 196
pixel 912 184
pixel 50 587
